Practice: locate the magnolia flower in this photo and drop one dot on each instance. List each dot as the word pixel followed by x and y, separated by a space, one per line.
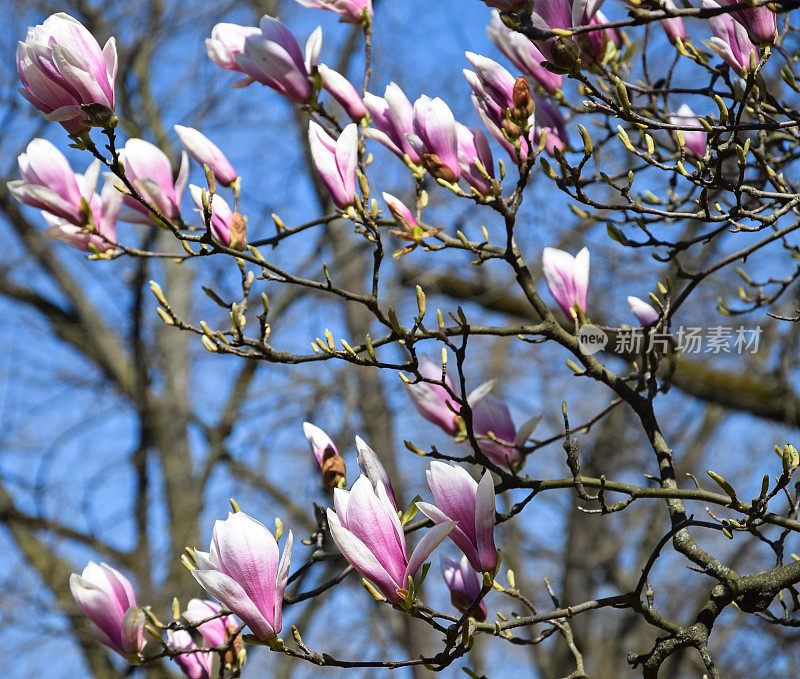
pixel 435 138
pixel 730 41
pixel 521 52
pixel 432 401
pixel 327 456
pixel 645 314
pixel 567 278
pixel 460 498
pixel 550 14
pixel 150 172
pixel 464 585
pixel 242 571
pixel 335 161
pixel 367 531
pixel 221 214
pixel 215 632
pixel 69 204
pixel 694 138
pixel 107 598
pixel 673 27
pixel 341 90
pixel 402 215
pixel 491 416
pixel 473 148
pixel 206 153
pixel 392 121
pixel 269 54
pixel 62 68
pixel 350 11
pixel 193 664
pixel 759 22
pixel 597 41
pixel 370 465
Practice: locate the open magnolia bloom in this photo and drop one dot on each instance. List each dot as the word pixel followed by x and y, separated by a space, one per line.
pixel 470 505
pixel 368 532
pixel 243 571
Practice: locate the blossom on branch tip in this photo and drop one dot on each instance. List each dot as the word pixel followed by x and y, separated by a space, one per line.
pixel 645 314
pixel 75 212
pixel 329 461
pixel 107 598
pixel 62 68
pixel 695 137
pixel 759 22
pixel 567 278
pixel 458 497
pixel 368 532
pixel 335 161
pixel 730 41
pixel 521 52
pixel 673 26
pixel 243 571
pixel 370 465
pixel 492 423
pixel 148 169
pixel 221 214
pixel 207 153
pixel 269 54
pixel 194 664
pixel 464 585
pixel 350 11
pixel 215 632
pixel 473 148
pixel 343 91
pixel 392 121
pixel 433 401
pixel 435 138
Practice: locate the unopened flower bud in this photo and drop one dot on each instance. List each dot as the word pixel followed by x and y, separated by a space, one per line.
pixel 564 53
pixel 523 101
pixel 238 231
pixel 790 457
pixel 433 164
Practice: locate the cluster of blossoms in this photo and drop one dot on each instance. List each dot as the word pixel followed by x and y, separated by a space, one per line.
pixel 66 74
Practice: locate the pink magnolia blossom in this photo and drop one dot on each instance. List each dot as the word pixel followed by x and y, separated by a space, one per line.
pixel 269 54
pixel 550 14
pixel 730 41
pixel 458 497
pixel 645 314
pixel 68 201
pixel 431 400
pixel 62 68
pixel 343 91
pixel 392 121
pixel 464 585
pixel 321 444
pixel 493 95
pixel 207 153
pixel 399 211
pixel 491 415
pixel 150 172
pixel 221 214
pixel 472 147
pixel 335 161
pixel 242 570
pixel 367 531
pixel 695 137
pixel 673 27
pixel 597 41
pixel 371 466
pixel 567 277
pixel 521 52
pixel 350 11
pixel 435 133
pixel 107 598
pixel 194 664
pixel 759 22
pixel 215 632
